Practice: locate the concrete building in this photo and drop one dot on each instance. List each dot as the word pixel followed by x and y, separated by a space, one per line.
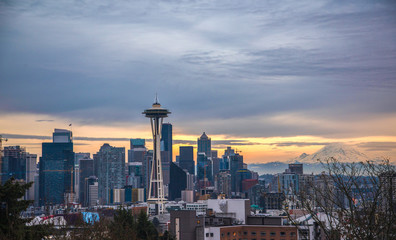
pixel 187 196
pixel 223 183
pixel 91 194
pixel 31 172
pixel 199 207
pixel 250 232
pixel 186 225
pixel 238 209
pixel 109 167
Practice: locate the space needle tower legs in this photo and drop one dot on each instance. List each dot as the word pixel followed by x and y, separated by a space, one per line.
pixel 156 188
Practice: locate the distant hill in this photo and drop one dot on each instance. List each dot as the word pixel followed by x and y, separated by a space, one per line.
pixel 341 152
pixel 279 167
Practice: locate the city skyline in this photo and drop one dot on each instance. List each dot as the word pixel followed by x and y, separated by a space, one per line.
pixel 272 79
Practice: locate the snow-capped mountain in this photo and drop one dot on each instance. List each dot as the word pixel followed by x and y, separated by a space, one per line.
pixel 339 151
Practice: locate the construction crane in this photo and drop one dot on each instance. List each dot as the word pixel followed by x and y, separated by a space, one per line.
pixel 71 177
pixel 1 154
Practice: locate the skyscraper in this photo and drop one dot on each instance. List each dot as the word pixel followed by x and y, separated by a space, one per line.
pixel 136 163
pixel 137 150
pixel 86 171
pixel 186 158
pixel 235 163
pixel 166 140
pixel 31 171
pixel 14 163
pixel 57 169
pixel 204 145
pixel 204 169
pixel 178 181
pixel 109 168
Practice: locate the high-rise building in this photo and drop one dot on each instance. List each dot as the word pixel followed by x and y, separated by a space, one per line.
pixel 235 163
pixel 204 168
pixel 91 194
pixel 56 169
pixel 86 170
pixel 178 181
pixel 204 145
pixel 137 172
pixel 14 163
pixel 223 183
pixel 166 140
pixel 77 158
pixel 109 168
pixel 296 168
pixel 186 159
pixel 135 177
pixel 289 183
pixel 137 150
pixel 31 171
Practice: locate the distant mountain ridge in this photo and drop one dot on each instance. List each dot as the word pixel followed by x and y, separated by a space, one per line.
pixel 342 152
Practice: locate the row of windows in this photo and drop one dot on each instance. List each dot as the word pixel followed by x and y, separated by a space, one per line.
pixel 261 233
pixel 257 239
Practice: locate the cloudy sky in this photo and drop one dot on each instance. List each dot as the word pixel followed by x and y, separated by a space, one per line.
pixel 271 78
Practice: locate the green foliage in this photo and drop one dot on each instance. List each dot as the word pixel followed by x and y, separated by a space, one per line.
pixel 145 228
pixel 12 226
pixel 123 226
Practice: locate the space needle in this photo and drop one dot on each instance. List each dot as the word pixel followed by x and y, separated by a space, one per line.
pixel 156 188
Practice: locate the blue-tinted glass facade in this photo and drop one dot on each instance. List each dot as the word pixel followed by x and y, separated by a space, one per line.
pixel 204 166
pixel 13 163
pixel 56 172
pixel 166 139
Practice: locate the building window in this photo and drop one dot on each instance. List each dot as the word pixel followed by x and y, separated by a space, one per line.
pixel 211 234
pixel 273 233
pixel 292 234
pixel 228 234
pixel 262 233
pixel 222 234
pixel 254 233
pixel 282 233
pixel 207 234
pixel 245 233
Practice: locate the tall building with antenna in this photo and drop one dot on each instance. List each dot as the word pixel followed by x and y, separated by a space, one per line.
pixel 156 193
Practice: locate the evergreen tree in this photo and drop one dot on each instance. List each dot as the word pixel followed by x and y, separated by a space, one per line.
pixel 12 226
pixel 145 228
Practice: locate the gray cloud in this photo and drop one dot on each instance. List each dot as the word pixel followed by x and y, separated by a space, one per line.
pixel 378 146
pixel 101 62
pixel 299 144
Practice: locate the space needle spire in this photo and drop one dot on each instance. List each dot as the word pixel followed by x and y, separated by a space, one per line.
pixel 156 188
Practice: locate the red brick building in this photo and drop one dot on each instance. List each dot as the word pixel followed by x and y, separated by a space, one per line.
pixel 254 232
